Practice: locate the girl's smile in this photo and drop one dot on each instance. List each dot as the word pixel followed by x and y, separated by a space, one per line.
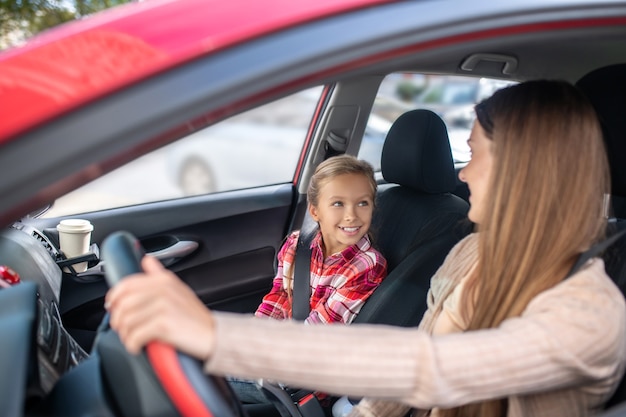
pixel 344 211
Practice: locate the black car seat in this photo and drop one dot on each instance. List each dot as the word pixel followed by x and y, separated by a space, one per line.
pixel 606 89
pixel 417 219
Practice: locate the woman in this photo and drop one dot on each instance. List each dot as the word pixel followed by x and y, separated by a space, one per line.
pixel 507 331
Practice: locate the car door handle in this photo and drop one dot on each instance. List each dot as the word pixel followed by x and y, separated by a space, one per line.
pixel 179 249
pixel 167 256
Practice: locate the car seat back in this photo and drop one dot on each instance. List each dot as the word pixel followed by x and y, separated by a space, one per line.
pixel 417 219
pixel 606 89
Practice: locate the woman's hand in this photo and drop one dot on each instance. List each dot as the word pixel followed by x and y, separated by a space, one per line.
pixel 157 305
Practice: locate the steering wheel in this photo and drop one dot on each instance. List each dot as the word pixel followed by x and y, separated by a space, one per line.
pixel 191 391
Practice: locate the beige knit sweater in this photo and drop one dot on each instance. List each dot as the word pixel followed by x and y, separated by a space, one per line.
pixel 564 356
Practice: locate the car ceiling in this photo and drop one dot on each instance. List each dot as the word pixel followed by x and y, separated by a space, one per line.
pixel 566 55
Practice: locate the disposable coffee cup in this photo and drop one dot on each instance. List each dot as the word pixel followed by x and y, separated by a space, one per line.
pixel 75 239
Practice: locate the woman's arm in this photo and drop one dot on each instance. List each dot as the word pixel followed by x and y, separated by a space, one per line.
pixel 573 334
pixel 570 335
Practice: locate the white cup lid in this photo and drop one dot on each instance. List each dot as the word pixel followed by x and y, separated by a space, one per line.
pixel 74 226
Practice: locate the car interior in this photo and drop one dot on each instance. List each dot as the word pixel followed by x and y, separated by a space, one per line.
pixel 431 206
pixel 411 265
pixel 223 244
pixel 417 219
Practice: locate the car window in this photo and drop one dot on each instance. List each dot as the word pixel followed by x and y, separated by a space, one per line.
pixel 255 148
pixel 451 97
pixel 262 146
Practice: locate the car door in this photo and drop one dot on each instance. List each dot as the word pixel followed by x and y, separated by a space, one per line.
pixel 223 244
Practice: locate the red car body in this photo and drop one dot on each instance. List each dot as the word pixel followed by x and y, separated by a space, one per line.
pixel 71 65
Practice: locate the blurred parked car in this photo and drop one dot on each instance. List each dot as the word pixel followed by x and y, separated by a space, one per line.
pixel 453 98
pixel 267 149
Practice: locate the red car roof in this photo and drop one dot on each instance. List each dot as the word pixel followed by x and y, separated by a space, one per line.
pixel 80 61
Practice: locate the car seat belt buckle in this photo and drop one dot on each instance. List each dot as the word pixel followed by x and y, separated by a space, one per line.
pixel 309 406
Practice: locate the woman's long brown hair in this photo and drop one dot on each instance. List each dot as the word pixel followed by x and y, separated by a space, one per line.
pixel 545 203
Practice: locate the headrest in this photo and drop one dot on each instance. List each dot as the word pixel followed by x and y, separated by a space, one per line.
pixel 417 154
pixel 606 89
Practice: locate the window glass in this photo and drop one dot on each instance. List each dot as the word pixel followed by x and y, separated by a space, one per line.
pixel 255 148
pixel 451 97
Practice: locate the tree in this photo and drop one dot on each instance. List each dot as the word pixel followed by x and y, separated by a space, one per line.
pixel 20 19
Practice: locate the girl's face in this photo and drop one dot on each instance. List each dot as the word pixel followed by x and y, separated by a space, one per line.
pixel 344 211
pixel 477 172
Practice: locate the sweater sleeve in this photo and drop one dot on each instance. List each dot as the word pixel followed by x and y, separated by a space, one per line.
pixel 572 334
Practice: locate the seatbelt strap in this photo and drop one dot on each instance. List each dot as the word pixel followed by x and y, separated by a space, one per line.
pixel 301 306
pixel 302 279
pixel 595 251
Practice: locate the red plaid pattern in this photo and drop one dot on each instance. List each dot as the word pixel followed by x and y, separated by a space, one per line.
pixel 340 284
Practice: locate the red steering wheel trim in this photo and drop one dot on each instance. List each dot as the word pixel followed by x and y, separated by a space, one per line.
pixel 164 361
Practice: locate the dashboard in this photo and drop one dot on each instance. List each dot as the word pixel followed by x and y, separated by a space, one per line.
pixel 51 317
pixel 34 257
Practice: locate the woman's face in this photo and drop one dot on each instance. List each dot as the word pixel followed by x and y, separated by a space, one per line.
pixel 477 172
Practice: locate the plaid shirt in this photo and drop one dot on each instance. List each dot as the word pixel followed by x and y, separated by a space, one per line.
pixel 340 284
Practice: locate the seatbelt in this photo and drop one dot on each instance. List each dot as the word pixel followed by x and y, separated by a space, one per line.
pixel 301 301
pixel 297 402
pixel 595 251
pixel 288 401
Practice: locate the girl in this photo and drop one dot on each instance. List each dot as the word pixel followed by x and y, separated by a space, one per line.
pixel 345 268
pixel 508 331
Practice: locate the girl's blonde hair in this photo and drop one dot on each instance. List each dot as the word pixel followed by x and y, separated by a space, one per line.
pixel 544 207
pixel 325 172
pixel 335 166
